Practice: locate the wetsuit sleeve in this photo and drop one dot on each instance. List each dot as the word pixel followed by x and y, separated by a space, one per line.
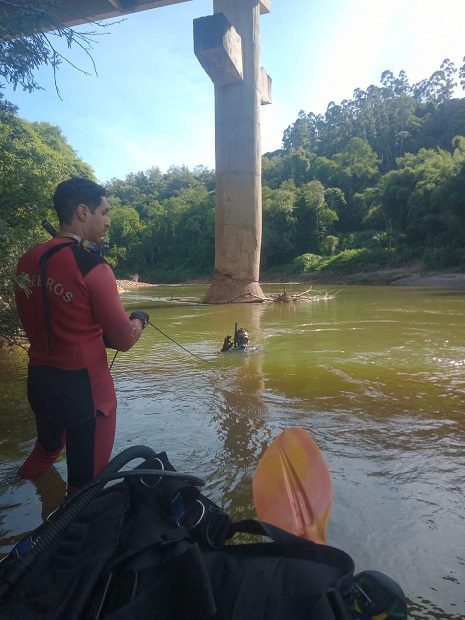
pixel 118 330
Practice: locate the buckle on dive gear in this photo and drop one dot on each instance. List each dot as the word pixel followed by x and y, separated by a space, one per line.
pixel 157 479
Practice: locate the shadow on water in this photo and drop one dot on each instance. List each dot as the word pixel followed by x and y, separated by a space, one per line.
pixel 375 374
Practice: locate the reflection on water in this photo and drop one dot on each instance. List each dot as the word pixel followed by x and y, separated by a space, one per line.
pixel 376 375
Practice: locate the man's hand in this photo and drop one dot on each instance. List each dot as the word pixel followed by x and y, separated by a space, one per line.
pixel 142 316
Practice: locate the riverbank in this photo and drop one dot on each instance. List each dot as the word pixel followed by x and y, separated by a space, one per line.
pixel 399 277
pixel 405 276
pixel 449 280
pixel 408 275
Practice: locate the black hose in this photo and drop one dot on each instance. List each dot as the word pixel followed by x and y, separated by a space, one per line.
pixel 70 512
pixel 160 473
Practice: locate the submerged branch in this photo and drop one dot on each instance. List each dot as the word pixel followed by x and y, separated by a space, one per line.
pixel 287 298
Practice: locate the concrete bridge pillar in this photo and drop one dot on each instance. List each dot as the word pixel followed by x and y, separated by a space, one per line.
pixel 227 45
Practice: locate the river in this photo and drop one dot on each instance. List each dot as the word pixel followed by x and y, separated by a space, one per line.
pixel 375 374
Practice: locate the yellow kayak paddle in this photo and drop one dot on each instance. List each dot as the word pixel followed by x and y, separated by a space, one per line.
pixel 292 487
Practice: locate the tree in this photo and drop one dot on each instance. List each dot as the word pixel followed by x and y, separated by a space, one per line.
pixel 314 218
pixel 449 202
pixel 440 86
pixel 409 194
pixel 437 125
pixel 303 133
pixel 388 117
pixel 297 164
pixel 28 31
pixel 192 219
pixel 357 161
pixel 185 220
pixel 279 226
pixel 462 74
pixel 337 128
pixel 125 224
pixel 329 245
pixel 30 168
pixel 349 172
pixel 336 201
pixel 273 169
pixel 385 116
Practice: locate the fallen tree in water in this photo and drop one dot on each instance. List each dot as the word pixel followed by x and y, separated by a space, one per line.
pixel 283 297
pixel 307 296
pixel 125 286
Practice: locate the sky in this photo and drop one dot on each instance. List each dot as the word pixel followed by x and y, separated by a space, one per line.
pixel 152 104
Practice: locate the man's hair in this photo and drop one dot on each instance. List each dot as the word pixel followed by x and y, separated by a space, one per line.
pixel 73 192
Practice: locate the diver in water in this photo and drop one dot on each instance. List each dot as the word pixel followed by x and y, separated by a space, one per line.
pixel 241 341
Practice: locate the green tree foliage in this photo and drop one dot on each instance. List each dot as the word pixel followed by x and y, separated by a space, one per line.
pixel 272 169
pixel 440 85
pixel 34 157
pixel 174 233
pixel 335 199
pixel 389 164
pixel 303 133
pixel 357 165
pixel 423 203
pixel 390 117
pixel 329 245
pixel 437 126
pixel 125 225
pixel 30 33
pixel 314 218
pixel 279 225
pixel 449 201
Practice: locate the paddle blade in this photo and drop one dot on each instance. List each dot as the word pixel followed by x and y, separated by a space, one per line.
pixel 292 488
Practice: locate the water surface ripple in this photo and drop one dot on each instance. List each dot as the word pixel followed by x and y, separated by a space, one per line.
pixel 375 374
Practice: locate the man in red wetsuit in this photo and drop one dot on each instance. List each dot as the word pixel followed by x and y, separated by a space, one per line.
pixel 69 311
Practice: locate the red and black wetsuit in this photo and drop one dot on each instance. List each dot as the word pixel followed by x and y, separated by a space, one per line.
pixel 71 306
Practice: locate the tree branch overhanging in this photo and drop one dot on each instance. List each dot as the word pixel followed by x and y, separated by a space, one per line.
pixel 26 32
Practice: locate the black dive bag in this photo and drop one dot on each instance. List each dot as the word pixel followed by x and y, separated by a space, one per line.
pixel 153 547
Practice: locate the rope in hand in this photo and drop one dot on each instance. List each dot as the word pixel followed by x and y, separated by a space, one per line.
pixel 202 359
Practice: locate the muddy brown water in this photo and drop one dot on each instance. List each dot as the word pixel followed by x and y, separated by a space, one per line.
pixel 375 374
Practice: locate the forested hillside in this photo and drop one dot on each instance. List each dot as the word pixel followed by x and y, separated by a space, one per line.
pixel 377 180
